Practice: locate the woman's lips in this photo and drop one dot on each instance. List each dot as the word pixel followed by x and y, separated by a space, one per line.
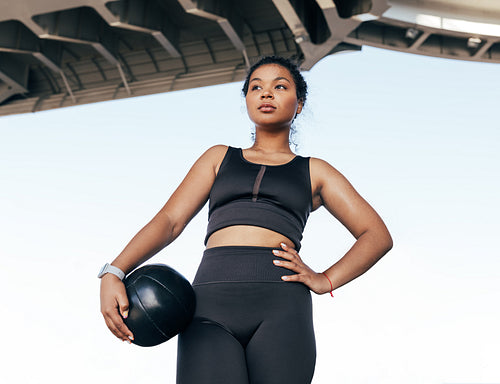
pixel 267 108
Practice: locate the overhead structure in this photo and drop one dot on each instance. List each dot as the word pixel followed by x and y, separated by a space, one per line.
pixel 58 53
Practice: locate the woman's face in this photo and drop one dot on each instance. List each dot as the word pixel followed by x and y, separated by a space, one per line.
pixel 272 98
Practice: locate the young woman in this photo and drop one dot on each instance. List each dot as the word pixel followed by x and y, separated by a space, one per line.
pixel 253 321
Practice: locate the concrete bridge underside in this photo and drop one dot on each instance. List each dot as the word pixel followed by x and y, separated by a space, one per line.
pixel 58 53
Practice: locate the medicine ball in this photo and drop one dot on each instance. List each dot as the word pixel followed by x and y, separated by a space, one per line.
pixel 161 304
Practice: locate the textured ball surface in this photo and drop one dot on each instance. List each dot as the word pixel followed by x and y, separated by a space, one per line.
pixel 161 304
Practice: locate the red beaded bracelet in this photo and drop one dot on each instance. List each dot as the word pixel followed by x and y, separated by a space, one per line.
pixel 331 285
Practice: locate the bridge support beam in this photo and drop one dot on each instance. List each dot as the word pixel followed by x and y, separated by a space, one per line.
pixel 297 16
pixel 16 38
pixel 223 12
pixel 83 26
pixel 13 76
pixel 147 17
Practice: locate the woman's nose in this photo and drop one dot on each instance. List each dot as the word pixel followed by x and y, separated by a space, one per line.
pixel 266 94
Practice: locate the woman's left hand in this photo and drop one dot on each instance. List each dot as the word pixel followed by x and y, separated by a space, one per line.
pixel 317 282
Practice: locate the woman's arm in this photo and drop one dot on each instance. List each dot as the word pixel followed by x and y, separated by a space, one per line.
pixel 186 201
pixel 372 237
pixel 165 227
pixel 332 190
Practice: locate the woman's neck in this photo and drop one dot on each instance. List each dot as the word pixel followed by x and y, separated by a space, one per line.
pixel 272 142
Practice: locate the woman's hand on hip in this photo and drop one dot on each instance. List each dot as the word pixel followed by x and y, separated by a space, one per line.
pixel 114 306
pixel 316 282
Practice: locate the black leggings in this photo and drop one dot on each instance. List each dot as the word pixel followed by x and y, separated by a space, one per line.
pixel 257 330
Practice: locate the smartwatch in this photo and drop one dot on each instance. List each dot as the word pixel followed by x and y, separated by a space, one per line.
pixel 108 268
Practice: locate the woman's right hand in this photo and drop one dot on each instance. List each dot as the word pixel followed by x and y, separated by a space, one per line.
pixel 114 306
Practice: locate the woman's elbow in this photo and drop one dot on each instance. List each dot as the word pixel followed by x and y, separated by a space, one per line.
pixel 387 242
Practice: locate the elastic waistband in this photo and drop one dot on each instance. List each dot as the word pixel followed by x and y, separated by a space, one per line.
pixel 239 264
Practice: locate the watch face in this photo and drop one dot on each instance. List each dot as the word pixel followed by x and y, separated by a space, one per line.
pixel 103 269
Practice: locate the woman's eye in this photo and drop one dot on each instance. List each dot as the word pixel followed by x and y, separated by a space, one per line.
pixel 255 87
pixel 280 86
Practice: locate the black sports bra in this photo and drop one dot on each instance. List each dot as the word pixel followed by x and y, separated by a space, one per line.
pixel 276 197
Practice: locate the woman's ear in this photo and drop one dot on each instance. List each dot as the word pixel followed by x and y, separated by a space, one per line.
pixel 299 108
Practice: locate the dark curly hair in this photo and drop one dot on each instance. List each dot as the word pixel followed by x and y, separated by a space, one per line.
pixel 293 68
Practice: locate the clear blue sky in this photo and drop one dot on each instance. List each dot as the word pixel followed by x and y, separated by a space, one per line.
pixel 418 137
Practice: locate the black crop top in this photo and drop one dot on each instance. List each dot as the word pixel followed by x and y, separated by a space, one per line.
pixel 276 197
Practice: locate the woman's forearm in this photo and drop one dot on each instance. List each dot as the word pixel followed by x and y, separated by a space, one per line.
pixel 366 251
pixel 151 239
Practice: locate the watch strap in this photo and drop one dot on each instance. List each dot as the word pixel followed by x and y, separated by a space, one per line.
pixel 108 268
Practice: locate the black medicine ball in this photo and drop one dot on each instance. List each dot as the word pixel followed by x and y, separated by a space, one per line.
pixel 161 304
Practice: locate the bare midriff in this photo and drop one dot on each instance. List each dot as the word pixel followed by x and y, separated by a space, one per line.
pixel 247 235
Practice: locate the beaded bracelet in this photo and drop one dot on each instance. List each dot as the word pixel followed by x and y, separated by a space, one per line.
pixel 331 285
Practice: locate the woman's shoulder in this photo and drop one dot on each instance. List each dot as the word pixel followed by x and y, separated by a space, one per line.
pixel 320 164
pixel 217 150
pixel 322 169
pixel 214 155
